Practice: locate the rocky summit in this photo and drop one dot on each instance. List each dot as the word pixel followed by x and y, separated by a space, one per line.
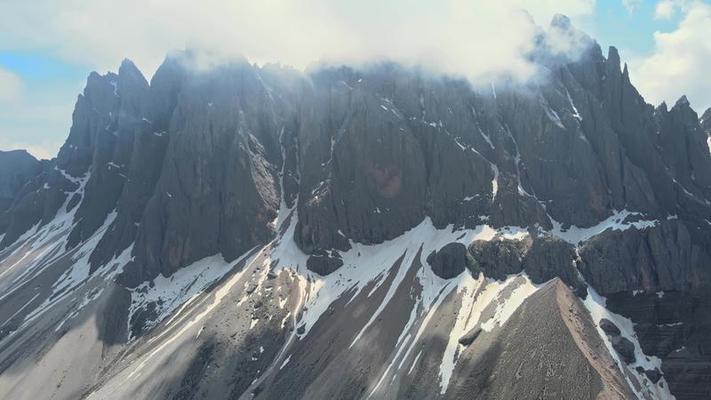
pixel 381 231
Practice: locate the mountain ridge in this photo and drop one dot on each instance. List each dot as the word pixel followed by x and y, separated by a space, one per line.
pixel 295 197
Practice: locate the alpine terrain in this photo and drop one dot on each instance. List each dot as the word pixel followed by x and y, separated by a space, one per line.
pixel 370 232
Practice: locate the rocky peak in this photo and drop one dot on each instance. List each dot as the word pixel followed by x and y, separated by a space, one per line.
pixel 613 57
pixel 561 21
pixel 705 123
pixel 209 160
pixel 193 161
pixel 705 119
pixel 682 102
pixel 662 108
pixel 562 43
pixel 130 79
pixel 17 167
pixel 682 113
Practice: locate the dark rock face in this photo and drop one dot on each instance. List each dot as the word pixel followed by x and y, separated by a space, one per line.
pixel 16 169
pixel 381 161
pixel 624 347
pixel 673 326
pixel 449 261
pixel 665 257
pixel 685 149
pixel 543 258
pixel 705 123
pixel 108 117
pixel 20 208
pixel 324 263
pixel 195 162
pixel 217 191
pixel 550 257
pixel 654 375
pixel 37 203
pixel 198 161
pixel 498 258
pixel 609 327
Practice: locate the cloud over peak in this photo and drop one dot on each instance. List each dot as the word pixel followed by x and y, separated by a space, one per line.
pixel 472 38
pixel 679 63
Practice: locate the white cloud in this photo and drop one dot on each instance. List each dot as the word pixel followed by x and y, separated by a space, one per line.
pixel 631 5
pixel 668 9
pixel 680 62
pixel 664 9
pixel 10 87
pixel 476 38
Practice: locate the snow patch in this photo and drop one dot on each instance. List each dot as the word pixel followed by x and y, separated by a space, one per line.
pixel 506 307
pixel 167 294
pixel 285 362
pixel 414 362
pixel 616 221
pixel 576 114
pixel 494 181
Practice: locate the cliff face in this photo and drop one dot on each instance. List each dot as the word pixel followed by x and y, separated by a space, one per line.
pixel 192 162
pixel 16 169
pixel 580 178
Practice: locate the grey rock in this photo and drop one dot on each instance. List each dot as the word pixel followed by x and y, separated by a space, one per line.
pixel 17 167
pixel 470 336
pixel 197 162
pixel 548 258
pixel 659 258
pixel 449 261
pixel 654 375
pixel 609 327
pixel 543 258
pixel 498 258
pixel 674 328
pixel 111 131
pixel 323 262
pixel 705 122
pixel 36 203
pixel 624 347
pixel 217 190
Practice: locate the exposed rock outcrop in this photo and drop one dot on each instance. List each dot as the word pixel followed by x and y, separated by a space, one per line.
pixel 324 263
pixel 450 261
pixel 498 258
pixel 609 327
pixel 663 257
pixel 624 347
pixel 200 162
pixel 543 258
pixel 17 168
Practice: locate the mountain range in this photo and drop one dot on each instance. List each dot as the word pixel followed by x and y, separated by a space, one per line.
pixel 379 231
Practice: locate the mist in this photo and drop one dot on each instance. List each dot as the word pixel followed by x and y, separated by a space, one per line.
pixel 474 39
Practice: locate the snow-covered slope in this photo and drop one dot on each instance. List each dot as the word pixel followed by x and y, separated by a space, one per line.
pixel 378 326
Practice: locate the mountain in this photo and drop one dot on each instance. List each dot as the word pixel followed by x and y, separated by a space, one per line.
pixel 374 232
pixel 17 167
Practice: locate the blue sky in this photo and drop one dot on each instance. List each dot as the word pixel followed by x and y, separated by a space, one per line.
pixel 613 24
pixel 46 52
